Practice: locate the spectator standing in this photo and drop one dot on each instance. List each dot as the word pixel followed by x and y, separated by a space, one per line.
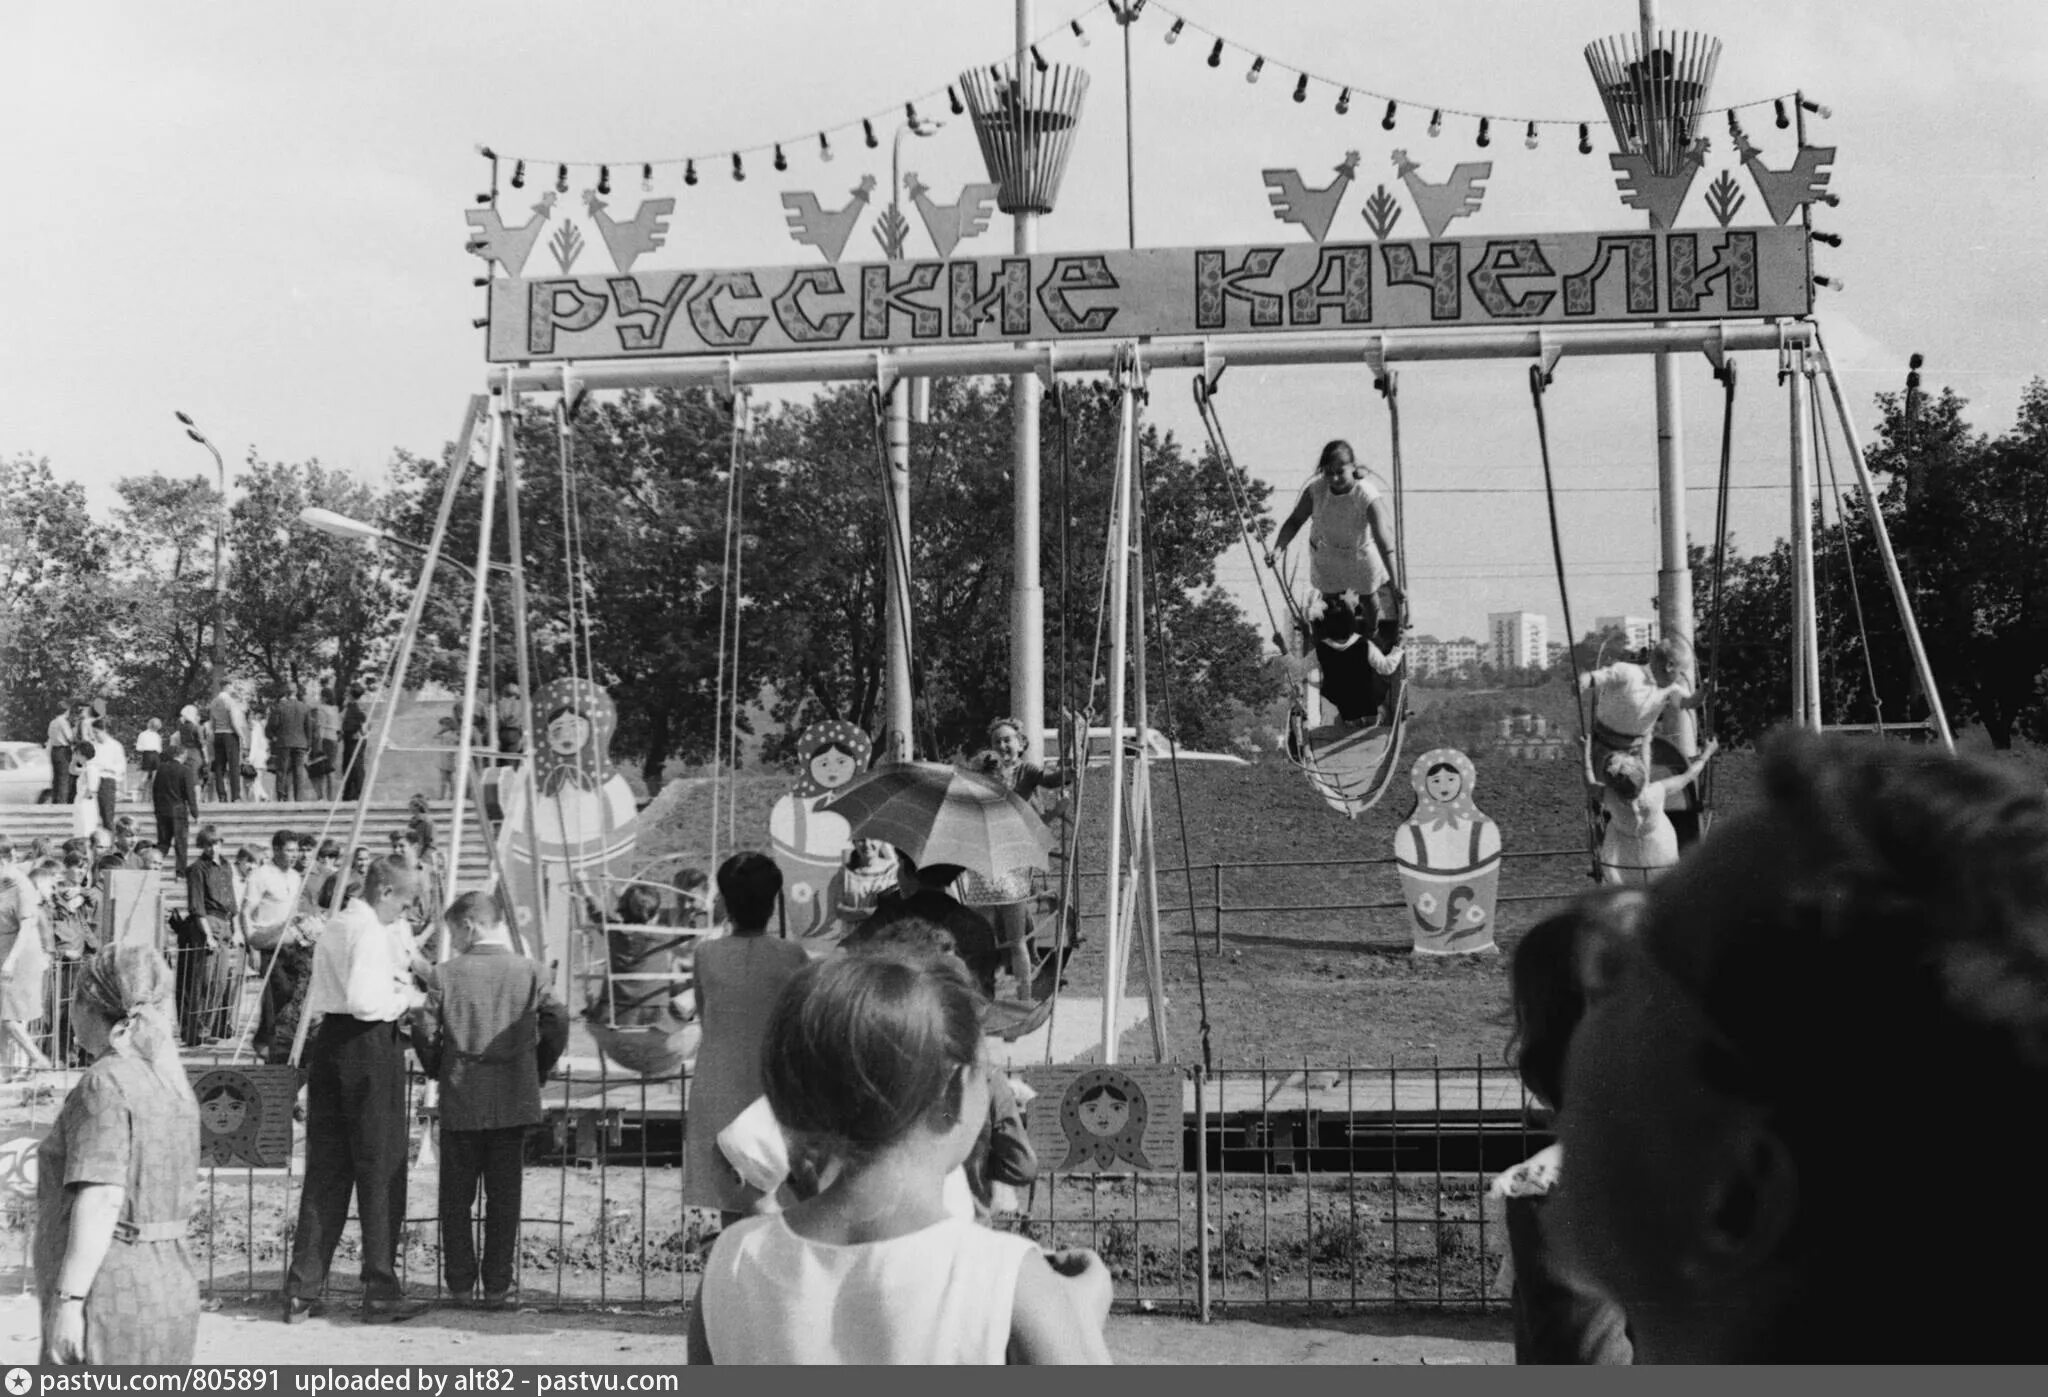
pixel 209 962
pixel 291 733
pixel 117 1180
pixel 85 799
pixel 106 770
pixel 354 719
pixel 925 893
pixel 489 1034
pixel 60 737
pixel 738 978
pixel 193 744
pixel 174 796
pixel 270 899
pixel 511 723
pixel 325 761
pixel 24 958
pixel 230 740
pixel 363 986
pixel 149 750
pixel 257 759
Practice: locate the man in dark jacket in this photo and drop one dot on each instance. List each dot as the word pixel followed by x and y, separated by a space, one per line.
pixel 209 963
pixel 489 1033
pixel 175 796
pixel 291 732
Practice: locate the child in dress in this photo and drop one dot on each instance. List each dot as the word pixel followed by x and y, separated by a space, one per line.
pixel 873 1065
pixel 1357 658
pixel 1556 1319
pixel 1640 841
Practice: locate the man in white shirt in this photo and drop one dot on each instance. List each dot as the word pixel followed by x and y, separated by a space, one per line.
pixel 270 897
pixel 106 770
pixel 230 741
pixel 365 982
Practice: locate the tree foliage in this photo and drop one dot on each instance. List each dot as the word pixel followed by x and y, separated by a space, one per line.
pixel 58 597
pixel 646 508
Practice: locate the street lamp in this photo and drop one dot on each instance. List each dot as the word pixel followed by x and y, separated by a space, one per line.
pixel 335 525
pixel 219 537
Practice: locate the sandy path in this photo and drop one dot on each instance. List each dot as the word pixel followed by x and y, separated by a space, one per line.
pixel 253 1335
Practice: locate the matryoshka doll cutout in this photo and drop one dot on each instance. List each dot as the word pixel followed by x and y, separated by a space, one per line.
pixel 583 815
pixel 1449 856
pixel 1102 1115
pixel 810 845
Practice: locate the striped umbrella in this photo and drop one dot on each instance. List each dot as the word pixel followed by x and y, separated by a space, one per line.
pixel 939 814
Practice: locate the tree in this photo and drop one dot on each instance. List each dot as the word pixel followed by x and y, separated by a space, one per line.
pixel 303 605
pixel 58 601
pixel 648 497
pixel 162 546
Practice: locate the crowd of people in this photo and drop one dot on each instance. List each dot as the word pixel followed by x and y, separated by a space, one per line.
pixel 307 747
pixel 1722 1048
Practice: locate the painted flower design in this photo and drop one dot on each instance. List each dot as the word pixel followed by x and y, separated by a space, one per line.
pixel 802 894
pixel 1426 904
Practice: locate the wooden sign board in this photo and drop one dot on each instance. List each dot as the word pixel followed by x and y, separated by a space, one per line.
pixel 131 908
pixel 1089 1118
pixel 1524 280
pixel 245 1113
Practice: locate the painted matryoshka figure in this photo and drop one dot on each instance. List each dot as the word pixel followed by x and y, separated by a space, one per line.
pixel 808 844
pixel 1449 856
pixel 583 816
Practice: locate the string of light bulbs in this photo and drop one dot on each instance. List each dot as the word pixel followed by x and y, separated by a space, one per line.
pixel 778 152
pixel 1220 45
pixel 1128 12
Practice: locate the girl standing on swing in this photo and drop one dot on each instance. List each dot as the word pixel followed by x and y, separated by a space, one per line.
pixel 1351 566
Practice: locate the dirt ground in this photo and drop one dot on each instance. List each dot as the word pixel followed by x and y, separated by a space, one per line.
pixel 252 1335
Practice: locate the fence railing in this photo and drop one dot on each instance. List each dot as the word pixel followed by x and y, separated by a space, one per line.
pixel 1343 1187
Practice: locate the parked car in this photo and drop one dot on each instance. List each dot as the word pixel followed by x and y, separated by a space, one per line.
pixel 24 773
pixel 1156 747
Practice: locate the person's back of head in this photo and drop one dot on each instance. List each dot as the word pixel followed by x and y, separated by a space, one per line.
pixel 389 875
pixel 639 905
pixel 749 882
pixel 1873 938
pixel 861 1050
pixel 1544 987
pixel 474 919
pixel 910 936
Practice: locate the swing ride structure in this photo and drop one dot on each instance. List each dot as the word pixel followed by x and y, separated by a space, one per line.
pixel 1716 292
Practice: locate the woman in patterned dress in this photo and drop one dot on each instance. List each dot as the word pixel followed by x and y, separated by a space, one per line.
pixel 117 1179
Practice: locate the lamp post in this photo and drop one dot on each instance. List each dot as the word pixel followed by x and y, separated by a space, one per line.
pixel 219 538
pixel 335 525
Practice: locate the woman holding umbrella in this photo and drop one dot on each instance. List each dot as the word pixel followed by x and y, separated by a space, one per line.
pixel 1008 899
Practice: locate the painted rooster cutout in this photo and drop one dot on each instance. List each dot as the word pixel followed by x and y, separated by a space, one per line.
pixel 950 224
pixel 646 231
pixel 826 230
pixel 1659 196
pixel 508 247
pixel 1457 197
pixel 1785 191
pixel 1313 209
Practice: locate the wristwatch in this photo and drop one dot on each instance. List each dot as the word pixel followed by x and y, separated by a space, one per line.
pixel 66 1298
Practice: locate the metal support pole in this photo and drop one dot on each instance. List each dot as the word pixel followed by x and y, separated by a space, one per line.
pixel 1145 861
pixel 408 632
pixel 534 938
pixel 1027 594
pixel 465 750
pixel 896 600
pixel 1119 631
pixel 1421 345
pixel 1805 641
pixel 1907 620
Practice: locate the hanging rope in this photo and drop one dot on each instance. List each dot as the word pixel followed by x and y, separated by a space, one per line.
pixel 728 620
pixel 1205 404
pixel 1538 381
pixel 1827 451
pixel 1726 373
pixel 1149 597
pixel 1390 389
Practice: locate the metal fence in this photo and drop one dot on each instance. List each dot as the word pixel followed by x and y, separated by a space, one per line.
pixel 1345 1187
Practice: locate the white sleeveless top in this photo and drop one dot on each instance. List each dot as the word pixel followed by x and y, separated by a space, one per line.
pixel 938 1295
pixel 1342 555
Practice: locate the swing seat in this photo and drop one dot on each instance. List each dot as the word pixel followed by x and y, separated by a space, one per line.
pixel 646 1051
pixel 1351 767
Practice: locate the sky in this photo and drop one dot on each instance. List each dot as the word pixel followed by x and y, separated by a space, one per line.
pixel 253 213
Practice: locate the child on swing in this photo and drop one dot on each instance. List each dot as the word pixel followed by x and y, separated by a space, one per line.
pixel 1640 841
pixel 1629 698
pixel 1349 550
pixel 874 1067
